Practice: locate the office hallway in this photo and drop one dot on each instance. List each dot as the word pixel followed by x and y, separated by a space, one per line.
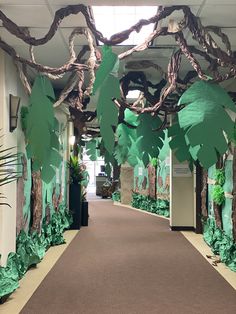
pixel 129 262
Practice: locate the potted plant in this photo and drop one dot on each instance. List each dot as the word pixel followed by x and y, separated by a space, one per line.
pixel 75 191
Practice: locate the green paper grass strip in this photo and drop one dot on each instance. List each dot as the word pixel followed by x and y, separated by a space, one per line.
pixel 218 195
pixel 31 248
pixel 220 243
pixel 159 206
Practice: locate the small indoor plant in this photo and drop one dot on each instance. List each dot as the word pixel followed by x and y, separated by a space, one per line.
pixel 75 191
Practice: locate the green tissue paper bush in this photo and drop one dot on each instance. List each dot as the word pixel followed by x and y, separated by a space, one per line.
pixel 31 248
pixel 159 206
pixel 221 244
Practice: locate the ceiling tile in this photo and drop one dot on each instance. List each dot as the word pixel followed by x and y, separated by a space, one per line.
pixel 28 15
pixel 215 2
pixel 219 15
pixel 22 2
pixel 46 56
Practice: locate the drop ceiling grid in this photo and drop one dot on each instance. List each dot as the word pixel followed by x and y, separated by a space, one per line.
pixel 124 2
pixel 36 14
pixel 28 15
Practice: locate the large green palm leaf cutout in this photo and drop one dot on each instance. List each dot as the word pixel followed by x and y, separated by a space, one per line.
pixel 41 128
pixel 178 143
pixel 205 121
pixel 107 112
pixel 151 141
pixel 124 134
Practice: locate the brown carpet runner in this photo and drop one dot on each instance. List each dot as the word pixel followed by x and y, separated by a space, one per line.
pixel 128 262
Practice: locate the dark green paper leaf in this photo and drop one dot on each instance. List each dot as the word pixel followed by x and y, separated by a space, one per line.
pixel 107 112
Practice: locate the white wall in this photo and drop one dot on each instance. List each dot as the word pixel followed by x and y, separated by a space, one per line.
pixel 182 199
pixel 9 84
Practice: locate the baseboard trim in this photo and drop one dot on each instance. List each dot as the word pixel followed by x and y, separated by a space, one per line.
pixel 182 228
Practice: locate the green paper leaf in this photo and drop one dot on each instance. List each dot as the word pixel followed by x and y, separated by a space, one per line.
pixel 206 90
pixel 165 150
pixel 107 112
pixel 40 120
pixel 123 133
pixel 36 166
pixel 204 121
pixel 54 141
pixel 41 127
pixel 151 141
pixel 55 158
pixel 109 60
pixel 47 174
pixel 134 153
pixel 109 162
pixel 91 149
pixel 178 143
pixel 131 117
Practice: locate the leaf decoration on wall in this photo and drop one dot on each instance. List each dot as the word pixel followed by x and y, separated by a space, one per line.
pixel 205 121
pixel 41 127
pixel 91 149
pixel 109 60
pixel 107 112
pixel 151 141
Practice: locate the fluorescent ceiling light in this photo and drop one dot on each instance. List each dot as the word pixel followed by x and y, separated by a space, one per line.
pixel 133 94
pixel 110 20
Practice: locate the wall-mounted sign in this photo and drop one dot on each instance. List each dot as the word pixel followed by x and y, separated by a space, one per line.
pixel 181 170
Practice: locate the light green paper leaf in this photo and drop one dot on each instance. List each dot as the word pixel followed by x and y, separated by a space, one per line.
pixel 133 154
pixel 165 150
pixel 131 117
